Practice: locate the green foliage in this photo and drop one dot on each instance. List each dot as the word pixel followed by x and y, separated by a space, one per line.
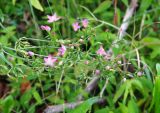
pixel 103 6
pixel 36 4
pixel 145 4
pixel 130 65
pixel 85 106
pixel 156 99
pixel 7 104
pixel 158 69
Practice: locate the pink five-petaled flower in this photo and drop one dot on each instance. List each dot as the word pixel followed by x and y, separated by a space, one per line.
pixel 140 73
pixel 53 18
pixel 101 51
pixel 61 50
pixel 45 27
pixel 49 61
pixel 30 53
pixel 86 62
pixel 76 26
pixel 85 23
pixel 97 72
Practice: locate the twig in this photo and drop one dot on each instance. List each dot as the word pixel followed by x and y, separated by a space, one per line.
pixel 62 107
pixel 59 83
pixel 138 59
pixel 126 20
pixel 90 86
pixel 104 87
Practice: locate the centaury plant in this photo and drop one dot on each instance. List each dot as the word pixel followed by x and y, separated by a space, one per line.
pixel 79 56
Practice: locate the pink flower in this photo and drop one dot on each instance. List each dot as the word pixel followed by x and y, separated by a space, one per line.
pixel 107 56
pixel 11 59
pixel 30 53
pixel 49 61
pixel 86 62
pixel 53 18
pixel 85 23
pixel 76 26
pixel 140 73
pixel 97 72
pixel 61 50
pixel 101 51
pixel 45 27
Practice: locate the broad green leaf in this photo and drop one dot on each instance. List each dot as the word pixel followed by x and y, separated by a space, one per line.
pixel 25 99
pixel 32 109
pixel 147 84
pixel 37 97
pixel 145 4
pixel 8 104
pixel 132 107
pixel 104 110
pixel 36 4
pixel 103 6
pixel 158 68
pixel 85 106
pixel 152 43
pixel 137 84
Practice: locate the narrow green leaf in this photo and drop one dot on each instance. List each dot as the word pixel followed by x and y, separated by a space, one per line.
pixel 37 97
pixel 119 92
pixel 1 15
pixel 2 57
pixel 132 106
pixel 123 108
pixel 156 98
pixel 13 2
pixel 158 69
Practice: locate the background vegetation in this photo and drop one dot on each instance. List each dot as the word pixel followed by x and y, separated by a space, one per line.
pixel 128 81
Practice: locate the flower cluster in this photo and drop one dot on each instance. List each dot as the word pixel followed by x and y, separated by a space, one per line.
pixel 61 50
pixel 51 18
pixel 103 53
pixel 50 60
pixel 76 26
